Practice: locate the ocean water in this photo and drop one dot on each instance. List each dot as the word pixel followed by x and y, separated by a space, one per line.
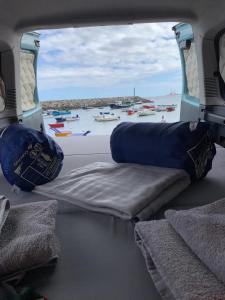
pixel 87 122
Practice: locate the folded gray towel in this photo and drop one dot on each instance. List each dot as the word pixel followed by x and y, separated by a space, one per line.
pixel 185 253
pixel 4 210
pixel 27 239
pixel 123 190
pixel 203 230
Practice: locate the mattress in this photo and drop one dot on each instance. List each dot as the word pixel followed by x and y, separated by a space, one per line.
pixel 99 258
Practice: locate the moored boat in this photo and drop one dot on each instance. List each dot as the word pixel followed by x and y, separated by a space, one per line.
pixel 105 118
pixel 130 112
pixel 105 113
pixel 87 107
pixel 61 112
pixel 149 106
pixel 72 119
pixel 170 108
pixel 120 104
pixel 60 120
pixel 160 108
pixel 145 112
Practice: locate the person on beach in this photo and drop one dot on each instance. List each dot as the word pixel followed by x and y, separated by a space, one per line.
pixel 163 120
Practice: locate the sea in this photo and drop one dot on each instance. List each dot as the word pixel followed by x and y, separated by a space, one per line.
pixel 87 122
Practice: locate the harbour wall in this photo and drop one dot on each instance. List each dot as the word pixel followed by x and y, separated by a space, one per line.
pixel 93 102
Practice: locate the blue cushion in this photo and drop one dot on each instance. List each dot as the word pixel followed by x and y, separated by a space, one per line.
pixel 29 157
pixel 181 145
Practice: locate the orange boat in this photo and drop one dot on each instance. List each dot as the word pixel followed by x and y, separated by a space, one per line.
pixel 130 112
pixel 56 125
pixel 64 133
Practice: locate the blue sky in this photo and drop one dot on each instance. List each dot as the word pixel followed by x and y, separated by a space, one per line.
pixel 109 61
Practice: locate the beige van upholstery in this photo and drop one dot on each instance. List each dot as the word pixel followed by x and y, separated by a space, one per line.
pixel 191 71
pixel 27 80
pixel 2 95
pixel 222 56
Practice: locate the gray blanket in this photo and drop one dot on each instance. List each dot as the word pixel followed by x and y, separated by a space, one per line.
pixel 123 190
pixel 185 252
pixel 27 238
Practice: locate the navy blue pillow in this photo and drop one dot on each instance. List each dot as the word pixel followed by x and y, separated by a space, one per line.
pixel 181 145
pixel 29 157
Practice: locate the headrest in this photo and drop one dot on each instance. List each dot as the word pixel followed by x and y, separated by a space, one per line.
pixel 29 157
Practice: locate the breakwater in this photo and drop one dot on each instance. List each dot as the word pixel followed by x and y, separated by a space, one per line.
pixel 93 102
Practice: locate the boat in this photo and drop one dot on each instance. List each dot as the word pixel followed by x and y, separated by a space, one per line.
pixel 72 119
pixel 105 118
pixel 63 133
pixel 149 106
pixel 160 108
pixel 86 107
pixel 130 112
pixel 105 113
pixel 49 112
pixel 170 108
pixel 61 112
pixel 60 120
pixel 145 112
pixel 147 101
pixel 85 133
pixel 56 125
pixel 59 133
pixel 119 104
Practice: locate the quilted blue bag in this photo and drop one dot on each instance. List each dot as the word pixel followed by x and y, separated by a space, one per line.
pixel 182 145
pixel 29 157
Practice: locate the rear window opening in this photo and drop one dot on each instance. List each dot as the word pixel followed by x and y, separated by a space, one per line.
pixel 91 79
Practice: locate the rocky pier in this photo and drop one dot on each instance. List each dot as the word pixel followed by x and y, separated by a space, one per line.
pixel 93 102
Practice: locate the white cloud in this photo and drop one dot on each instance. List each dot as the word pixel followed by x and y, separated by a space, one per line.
pixel 105 56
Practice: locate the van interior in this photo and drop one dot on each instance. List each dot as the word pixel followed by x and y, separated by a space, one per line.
pixel 105 253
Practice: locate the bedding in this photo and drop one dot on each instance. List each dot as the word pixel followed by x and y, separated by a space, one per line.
pixel 4 210
pixel 29 157
pixel 185 252
pixel 180 145
pixel 127 191
pixel 27 238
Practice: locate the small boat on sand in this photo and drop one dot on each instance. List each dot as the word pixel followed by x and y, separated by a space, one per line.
pixel 63 133
pixel 59 133
pixel 56 125
pixel 85 133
